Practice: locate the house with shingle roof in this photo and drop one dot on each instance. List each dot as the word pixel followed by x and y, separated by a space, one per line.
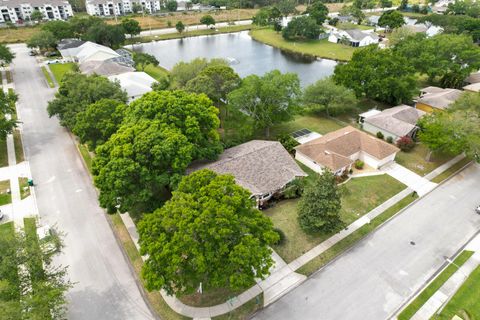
pixel 354 37
pixel 339 149
pixel 434 99
pixel 262 167
pixel 394 122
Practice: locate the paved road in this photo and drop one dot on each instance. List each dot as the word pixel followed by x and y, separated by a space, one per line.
pixel 372 280
pixel 155 32
pixel 105 287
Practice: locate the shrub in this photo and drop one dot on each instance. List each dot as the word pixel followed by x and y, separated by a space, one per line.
pixel 379 135
pixel 288 142
pixel 294 189
pixel 390 139
pixel 359 164
pixel 281 236
pixel 405 143
pixel 333 21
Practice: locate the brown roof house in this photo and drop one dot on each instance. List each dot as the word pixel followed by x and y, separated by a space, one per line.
pixel 394 122
pixel 339 149
pixel 436 99
pixel 262 167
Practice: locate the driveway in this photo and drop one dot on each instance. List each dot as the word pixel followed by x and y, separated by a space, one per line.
pixel 415 182
pixel 373 279
pixel 104 284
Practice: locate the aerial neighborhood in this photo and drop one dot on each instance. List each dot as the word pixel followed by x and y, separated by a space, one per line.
pixel 240 159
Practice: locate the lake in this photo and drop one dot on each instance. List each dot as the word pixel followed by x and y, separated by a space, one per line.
pixel 246 55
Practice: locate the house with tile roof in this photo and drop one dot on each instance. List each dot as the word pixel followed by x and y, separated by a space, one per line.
pixel 262 167
pixel 433 99
pixel 394 122
pixel 339 149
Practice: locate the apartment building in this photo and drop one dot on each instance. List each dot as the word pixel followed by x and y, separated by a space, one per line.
pixel 119 7
pixel 20 10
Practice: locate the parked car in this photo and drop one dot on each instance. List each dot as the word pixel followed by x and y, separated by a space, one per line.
pixel 477 209
pixel 32 53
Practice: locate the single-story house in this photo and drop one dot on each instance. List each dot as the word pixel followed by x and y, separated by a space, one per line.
pixel 262 167
pixel 474 87
pixel 354 37
pixel 339 149
pixel 104 68
pixel 394 122
pixel 473 78
pixel 373 20
pixel 433 99
pixel 136 84
pixel 429 30
pixel 90 51
pixel 69 47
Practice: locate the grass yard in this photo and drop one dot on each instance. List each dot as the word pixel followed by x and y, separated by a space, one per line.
pixel 24 187
pixel 47 77
pixel 211 297
pixel 415 160
pixel 5 196
pixel 465 303
pixel 420 300
pixel 346 243
pixel 245 311
pixel 20 34
pixel 18 145
pixel 447 173
pixel 7 229
pixel 318 48
pixel 59 70
pixel 3 153
pixel 8 75
pixel 315 123
pixel 362 195
pixel 86 156
pixel 156 72
pixel 349 25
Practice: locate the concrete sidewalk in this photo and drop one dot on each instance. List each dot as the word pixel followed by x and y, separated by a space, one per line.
pixel 415 182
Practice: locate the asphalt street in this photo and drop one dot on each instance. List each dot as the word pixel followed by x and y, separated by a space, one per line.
pixel 104 285
pixel 376 277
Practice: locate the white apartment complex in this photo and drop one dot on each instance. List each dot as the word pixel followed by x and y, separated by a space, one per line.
pixel 119 7
pixel 20 10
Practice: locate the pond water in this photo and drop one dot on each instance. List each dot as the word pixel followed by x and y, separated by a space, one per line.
pixel 246 55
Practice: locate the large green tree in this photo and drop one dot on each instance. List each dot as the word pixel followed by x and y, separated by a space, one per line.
pixel 301 28
pixel 131 27
pixel 317 11
pixel 182 72
pixel 60 29
pixel 391 19
pixel 81 23
pixel 194 114
pixel 327 96
pixel 6 55
pixel 444 58
pixel 286 7
pixel 209 234
pixel 207 20
pixel 99 122
pixel 105 34
pixel 77 91
pixel 267 16
pixel 43 40
pixel 268 100
pixel 378 74
pixel 142 60
pixel 455 24
pixel 36 15
pixel 319 207
pixel 7 107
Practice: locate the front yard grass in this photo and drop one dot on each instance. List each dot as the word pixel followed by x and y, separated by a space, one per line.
pixel 245 311
pixel 348 242
pixel 420 300
pixel 315 123
pixel 5 195
pixel 447 173
pixel 7 229
pixel 24 187
pixel 319 48
pixel 465 303
pixel 47 77
pixel 361 196
pixel 86 156
pixel 415 160
pixel 59 70
pixel 18 145
pixel 3 153
pixel 155 72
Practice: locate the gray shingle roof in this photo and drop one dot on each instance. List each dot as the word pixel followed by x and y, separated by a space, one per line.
pixel 69 44
pixel 399 120
pixel 258 165
pixel 439 98
pixel 358 35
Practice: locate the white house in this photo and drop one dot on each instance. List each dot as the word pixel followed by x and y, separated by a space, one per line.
pixel 339 149
pixel 136 84
pixel 354 37
pixel 20 10
pixel 90 51
pixel 394 122
pixel 119 7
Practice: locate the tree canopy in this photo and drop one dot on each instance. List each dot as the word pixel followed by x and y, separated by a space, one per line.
pixel 99 122
pixel 131 26
pixel 317 11
pixel 455 24
pixel 207 20
pixel 142 60
pixel 180 26
pixel 327 96
pixel 319 207
pixel 267 16
pixel 171 5
pixel 6 56
pixel 105 34
pixel 268 100
pixel 182 72
pixel 378 74
pixel 301 28
pixel 7 106
pixel 391 19
pixel 207 234
pixel 36 15
pixel 77 91
pixel 43 40
pixel 60 29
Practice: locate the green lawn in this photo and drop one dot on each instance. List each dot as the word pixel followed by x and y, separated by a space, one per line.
pixel 47 77
pixel 59 70
pixel 86 156
pixel 6 229
pixel 465 303
pixel 5 197
pixel 3 153
pixel 346 243
pixel 24 187
pixel 362 195
pixel 318 48
pixel 315 123
pixel 245 311
pixel 420 300
pixel 415 160
pixel 348 25
pixel 17 142
pixel 447 173
pixel 8 75
pixel 156 72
